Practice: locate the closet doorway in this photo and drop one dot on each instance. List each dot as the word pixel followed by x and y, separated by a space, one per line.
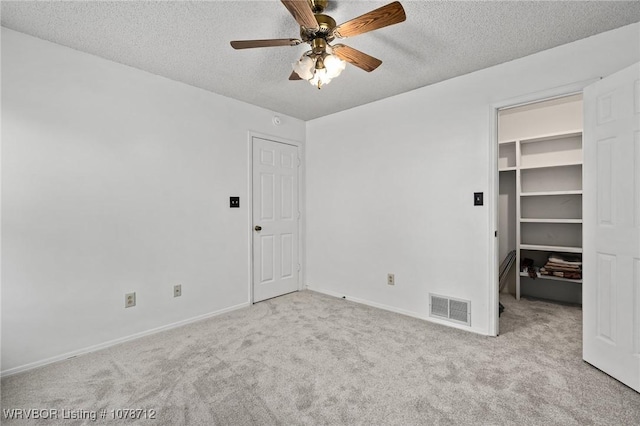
pixel 540 199
pixel 566 207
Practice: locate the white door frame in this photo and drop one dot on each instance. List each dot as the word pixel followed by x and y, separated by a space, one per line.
pixel 301 206
pixel 492 196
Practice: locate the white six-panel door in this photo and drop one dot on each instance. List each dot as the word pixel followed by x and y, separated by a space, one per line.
pixel 275 219
pixel 611 285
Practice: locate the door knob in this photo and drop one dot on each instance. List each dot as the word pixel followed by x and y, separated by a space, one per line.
pixel 258 228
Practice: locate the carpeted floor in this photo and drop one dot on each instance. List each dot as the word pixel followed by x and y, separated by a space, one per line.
pixel 306 358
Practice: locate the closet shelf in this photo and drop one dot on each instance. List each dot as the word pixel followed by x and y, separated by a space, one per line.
pixel 548 166
pixel 537 220
pixel 552 136
pixel 561 249
pixel 547 277
pixel 544 137
pixel 507 169
pixel 543 193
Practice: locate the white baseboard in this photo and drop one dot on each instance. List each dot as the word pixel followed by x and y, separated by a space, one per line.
pixel 58 358
pixel 394 309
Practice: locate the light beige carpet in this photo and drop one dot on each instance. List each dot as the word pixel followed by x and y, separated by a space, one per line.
pixel 306 358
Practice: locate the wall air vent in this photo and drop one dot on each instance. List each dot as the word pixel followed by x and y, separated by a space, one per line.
pixel 450 309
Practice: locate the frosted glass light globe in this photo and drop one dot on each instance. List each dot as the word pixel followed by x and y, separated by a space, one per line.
pixel 334 65
pixel 320 76
pixel 304 67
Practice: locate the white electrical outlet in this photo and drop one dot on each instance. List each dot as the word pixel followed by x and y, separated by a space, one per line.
pixel 391 279
pixel 177 290
pixel 130 300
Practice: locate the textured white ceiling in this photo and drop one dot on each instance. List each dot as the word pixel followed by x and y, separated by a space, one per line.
pixel 189 42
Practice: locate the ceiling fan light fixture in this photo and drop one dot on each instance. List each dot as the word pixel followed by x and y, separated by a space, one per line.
pixel 319 70
pixel 319 65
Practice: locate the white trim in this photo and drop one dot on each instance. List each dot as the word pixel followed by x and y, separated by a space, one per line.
pixel 100 346
pixel 302 224
pixel 545 95
pixel 492 204
pixel 250 135
pixel 301 173
pixel 394 309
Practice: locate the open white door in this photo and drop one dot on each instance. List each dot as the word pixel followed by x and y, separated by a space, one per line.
pixel 275 219
pixel 611 201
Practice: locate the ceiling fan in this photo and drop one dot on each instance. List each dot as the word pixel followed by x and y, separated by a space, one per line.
pixel 324 61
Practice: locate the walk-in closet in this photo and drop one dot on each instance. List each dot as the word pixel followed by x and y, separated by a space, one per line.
pixel 540 199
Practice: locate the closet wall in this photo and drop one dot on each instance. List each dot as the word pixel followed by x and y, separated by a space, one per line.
pixel 540 200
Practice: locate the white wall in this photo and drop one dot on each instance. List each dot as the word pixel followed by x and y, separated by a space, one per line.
pixel 115 180
pixel 390 184
pixel 542 118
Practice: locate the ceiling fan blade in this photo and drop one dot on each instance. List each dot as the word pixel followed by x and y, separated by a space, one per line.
pixel 249 44
pixel 393 13
pixel 294 76
pixel 302 13
pixel 356 57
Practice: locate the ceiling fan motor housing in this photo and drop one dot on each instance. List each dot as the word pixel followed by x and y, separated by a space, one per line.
pixel 326 25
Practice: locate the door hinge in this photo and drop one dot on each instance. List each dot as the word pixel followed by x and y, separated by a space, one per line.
pixel 299 161
pixel 299 215
pixel 299 267
pixel 496 233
